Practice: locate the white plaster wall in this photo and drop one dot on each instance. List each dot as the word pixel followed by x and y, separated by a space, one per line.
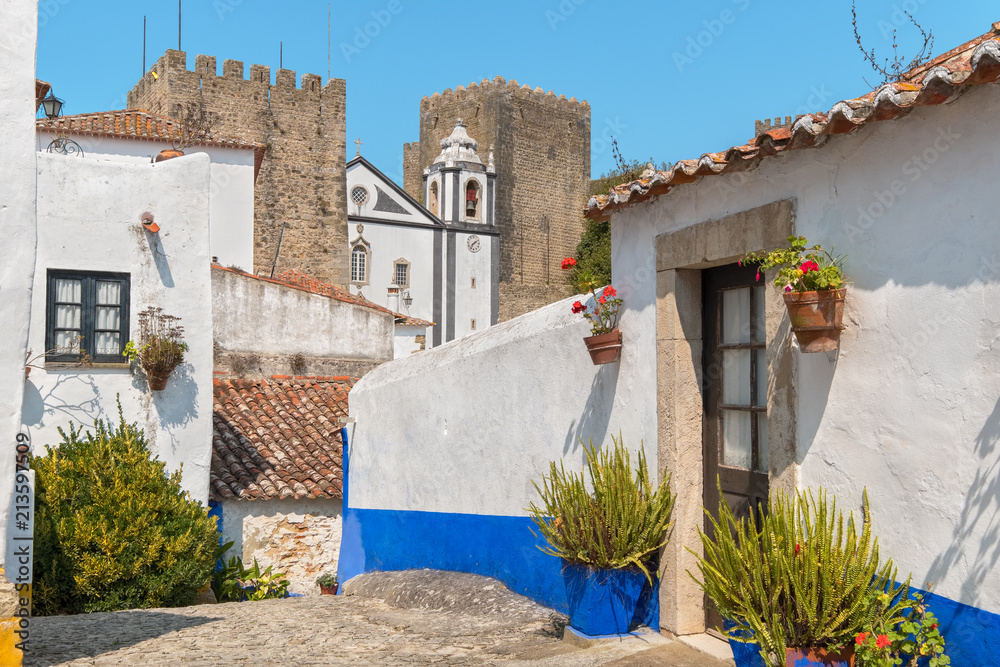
pixel 404 341
pixel 472 303
pixel 299 538
pixel 230 194
pixel 253 315
pixel 910 408
pixel 18 32
pixel 474 421
pixel 392 242
pixel 88 212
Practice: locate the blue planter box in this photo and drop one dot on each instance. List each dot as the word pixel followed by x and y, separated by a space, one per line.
pixel 603 602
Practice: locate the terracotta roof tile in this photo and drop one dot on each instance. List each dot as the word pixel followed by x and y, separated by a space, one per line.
pixel 278 438
pixel 935 82
pixel 142 125
pixel 407 321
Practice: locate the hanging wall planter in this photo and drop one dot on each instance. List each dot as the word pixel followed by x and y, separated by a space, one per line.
pixel 168 154
pixel 160 348
pixel 604 348
pixel 816 318
pixel 819 657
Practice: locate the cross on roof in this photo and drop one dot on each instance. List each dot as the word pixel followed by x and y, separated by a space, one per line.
pixel 358 142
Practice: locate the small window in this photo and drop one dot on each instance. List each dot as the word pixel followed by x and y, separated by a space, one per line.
pixel 359 264
pixel 432 199
pixel 473 283
pixel 359 195
pixel 473 325
pixel 401 274
pixel 86 314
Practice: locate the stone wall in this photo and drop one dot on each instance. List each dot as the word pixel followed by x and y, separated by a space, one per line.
pixel 542 155
pixel 302 182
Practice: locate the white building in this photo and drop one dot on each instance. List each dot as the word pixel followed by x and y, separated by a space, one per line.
pixel 438 263
pixel 134 136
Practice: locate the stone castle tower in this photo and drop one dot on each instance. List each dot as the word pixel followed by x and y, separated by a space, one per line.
pixel 541 145
pixel 302 185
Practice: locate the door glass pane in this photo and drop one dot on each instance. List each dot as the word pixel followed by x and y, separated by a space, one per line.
pixel 760 357
pixel 736 315
pixel 736 438
pixel 761 442
pixel 759 332
pixel 736 377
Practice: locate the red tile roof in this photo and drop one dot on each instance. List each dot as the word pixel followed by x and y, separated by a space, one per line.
pixel 278 438
pixel 407 321
pixel 142 125
pixel 41 90
pixel 938 81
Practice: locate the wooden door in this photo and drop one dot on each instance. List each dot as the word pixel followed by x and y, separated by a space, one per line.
pixel 735 384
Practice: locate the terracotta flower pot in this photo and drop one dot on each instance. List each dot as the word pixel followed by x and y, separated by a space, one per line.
pixel 157 379
pixel 816 318
pixel 328 590
pixel 819 657
pixel 604 348
pixel 167 154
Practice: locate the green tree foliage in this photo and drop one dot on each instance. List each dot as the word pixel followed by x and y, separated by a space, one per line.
pixel 622 523
pixel 112 530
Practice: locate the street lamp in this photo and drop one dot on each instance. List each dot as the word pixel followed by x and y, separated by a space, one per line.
pixel 52 106
pixel 407 299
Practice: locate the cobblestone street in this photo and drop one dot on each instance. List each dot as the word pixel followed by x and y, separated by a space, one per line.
pixel 436 618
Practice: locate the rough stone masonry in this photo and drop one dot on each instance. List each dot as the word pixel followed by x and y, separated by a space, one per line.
pixel 302 185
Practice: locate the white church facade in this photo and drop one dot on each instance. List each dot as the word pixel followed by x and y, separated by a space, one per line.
pixel 438 263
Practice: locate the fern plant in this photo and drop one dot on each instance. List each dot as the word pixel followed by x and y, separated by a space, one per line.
pixel 798 577
pixel 619 524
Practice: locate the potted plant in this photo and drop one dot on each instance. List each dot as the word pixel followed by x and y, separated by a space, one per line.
pixel 160 348
pixel 813 282
pixel 607 532
pixel 605 341
pixel 798 581
pixel 328 584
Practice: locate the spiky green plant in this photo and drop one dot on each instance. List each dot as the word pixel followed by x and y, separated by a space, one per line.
pixel 803 578
pixel 620 524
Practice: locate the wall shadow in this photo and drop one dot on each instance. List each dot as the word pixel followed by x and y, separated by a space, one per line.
pixel 60 639
pixel 596 415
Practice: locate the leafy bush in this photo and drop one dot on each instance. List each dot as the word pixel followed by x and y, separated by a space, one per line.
pixel 621 524
pixel 112 530
pixel 798 577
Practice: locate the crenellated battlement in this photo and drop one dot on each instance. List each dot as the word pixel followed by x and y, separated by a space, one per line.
pixel 512 88
pixel 172 65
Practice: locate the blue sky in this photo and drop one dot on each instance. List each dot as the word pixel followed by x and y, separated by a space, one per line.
pixel 668 80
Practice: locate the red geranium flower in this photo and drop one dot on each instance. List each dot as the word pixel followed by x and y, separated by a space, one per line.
pixel 809 266
pixel 578 307
pixel 882 641
pixel 610 291
pixel 602 300
pixel 797 547
pixel 568 262
pixel 861 637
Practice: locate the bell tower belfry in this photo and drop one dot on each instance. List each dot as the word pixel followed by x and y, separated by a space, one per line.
pixel 458 187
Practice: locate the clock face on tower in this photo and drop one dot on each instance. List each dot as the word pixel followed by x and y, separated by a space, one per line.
pixel 473 243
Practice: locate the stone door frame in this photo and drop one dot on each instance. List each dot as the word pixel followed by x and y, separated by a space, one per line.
pixel 680 257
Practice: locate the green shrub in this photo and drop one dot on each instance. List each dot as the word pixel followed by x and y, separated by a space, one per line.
pixel 799 577
pixel 621 524
pixel 112 530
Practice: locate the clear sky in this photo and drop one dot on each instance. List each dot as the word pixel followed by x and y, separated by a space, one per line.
pixel 668 80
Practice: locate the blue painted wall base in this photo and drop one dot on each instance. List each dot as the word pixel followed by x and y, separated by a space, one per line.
pixel 501 547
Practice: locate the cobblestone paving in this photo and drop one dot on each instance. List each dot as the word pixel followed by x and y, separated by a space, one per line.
pixel 482 624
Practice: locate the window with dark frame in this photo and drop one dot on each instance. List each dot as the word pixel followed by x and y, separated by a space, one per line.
pixel 87 313
pixel 401 274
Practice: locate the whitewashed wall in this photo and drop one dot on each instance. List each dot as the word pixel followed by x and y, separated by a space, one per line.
pixel 404 341
pixel 230 193
pixel 254 315
pixel 88 212
pixel 392 242
pixel 474 421
pixel 18 32
pixel 910 408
